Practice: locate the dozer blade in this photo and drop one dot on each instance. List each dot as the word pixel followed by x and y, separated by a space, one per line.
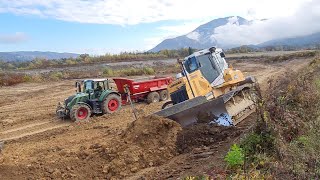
pixel 229 109
pixel 187 112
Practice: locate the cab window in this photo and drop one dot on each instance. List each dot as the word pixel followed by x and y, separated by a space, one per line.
pixel 88 85
pixel 191 64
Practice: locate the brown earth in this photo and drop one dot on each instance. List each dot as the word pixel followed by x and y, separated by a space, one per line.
pixel 38 145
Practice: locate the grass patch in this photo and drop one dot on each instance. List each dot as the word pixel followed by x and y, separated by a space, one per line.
pixel 285 57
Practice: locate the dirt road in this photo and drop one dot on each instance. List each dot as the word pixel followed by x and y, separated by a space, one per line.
pixel 38 145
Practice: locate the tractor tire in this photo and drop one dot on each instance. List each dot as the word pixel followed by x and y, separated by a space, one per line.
pixel 153 97
pixel 163 95
pixel 80 113
pixel 167 105
pixel 111 104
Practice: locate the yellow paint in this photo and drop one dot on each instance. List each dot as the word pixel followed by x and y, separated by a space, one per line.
pixel 201 87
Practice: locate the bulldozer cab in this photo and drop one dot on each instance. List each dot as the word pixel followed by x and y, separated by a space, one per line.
pixel 210 62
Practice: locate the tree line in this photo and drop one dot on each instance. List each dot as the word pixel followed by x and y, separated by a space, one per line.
pixel 87 59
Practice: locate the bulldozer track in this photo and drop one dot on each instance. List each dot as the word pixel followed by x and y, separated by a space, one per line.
pixel 242 104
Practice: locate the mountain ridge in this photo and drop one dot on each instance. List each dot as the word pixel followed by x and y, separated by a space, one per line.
pixel 204 36
pixel 31 55
pixel 199 38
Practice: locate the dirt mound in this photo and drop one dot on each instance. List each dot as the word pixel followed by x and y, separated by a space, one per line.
pixel 149 141
pixel 152 130
pixel 203 134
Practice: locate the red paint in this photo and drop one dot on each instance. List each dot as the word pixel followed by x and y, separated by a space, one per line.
pixel 82 113
pixel 139 89
pixel 113 105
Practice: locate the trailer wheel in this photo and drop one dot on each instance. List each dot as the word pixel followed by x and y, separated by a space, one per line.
pixel 80 113
pixel 111 104
pixel 153 97
pixel 163 95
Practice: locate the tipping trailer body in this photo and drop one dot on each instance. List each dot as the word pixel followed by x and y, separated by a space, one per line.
pixel 140 89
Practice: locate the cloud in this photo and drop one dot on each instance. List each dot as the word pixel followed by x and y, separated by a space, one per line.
pixel 304 21
pixel 183 28
pixel 15 38
pixel 128 12
pixel 194 36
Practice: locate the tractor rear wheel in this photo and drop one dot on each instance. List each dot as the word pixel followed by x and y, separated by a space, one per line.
pixel 111 104
pixel 80 113
pixel 163 95
pixel 153 97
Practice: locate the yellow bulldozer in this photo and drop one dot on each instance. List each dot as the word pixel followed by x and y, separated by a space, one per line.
pixel 208 88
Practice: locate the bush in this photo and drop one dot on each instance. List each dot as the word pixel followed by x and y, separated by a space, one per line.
pixel 131 72
pixel 258 143
pixel 27 78
pixel 9 79
pixel 56 75
pixel 148 70
pixel 108 72
pixel 235 157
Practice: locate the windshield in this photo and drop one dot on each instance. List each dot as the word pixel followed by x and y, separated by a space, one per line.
pixel 88 85
pixel 191 64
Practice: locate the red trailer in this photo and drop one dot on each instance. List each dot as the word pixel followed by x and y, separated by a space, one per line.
pixel 150 90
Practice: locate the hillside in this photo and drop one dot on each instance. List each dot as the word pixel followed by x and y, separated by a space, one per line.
pixel 30 55
pixel 301 41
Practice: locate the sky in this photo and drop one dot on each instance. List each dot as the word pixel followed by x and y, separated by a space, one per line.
pixel 112 26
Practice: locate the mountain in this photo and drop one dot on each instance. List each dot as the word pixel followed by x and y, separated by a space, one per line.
pixel 301 41
pixel 201 37
pixel 30 55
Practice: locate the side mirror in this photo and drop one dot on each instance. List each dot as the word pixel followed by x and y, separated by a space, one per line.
pixel 78 86
pixel 222 55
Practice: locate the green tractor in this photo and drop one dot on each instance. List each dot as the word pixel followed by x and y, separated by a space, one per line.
pixel 94 96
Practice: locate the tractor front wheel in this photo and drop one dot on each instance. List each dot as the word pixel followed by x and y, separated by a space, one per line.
pixel 80 113
pixel 111 104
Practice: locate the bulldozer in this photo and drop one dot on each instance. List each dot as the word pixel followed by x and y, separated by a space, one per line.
pixel 208 88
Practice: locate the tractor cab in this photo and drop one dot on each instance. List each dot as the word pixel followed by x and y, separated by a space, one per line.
pixel 93 96
pixel 92 87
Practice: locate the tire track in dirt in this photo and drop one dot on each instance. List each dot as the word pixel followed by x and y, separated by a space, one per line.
pixel 24 127
pixel 31 129
pixel 34 105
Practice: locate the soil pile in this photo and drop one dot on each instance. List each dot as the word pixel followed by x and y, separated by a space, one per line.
pixel 148 141
pixel 203 134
